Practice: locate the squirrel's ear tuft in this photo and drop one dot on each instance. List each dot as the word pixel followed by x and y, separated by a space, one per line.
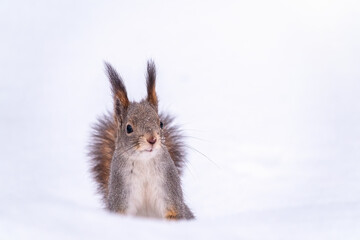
pixel 150 84
pixel 121 100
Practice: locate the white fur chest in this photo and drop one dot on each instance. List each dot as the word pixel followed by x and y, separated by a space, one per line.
pixel 146 194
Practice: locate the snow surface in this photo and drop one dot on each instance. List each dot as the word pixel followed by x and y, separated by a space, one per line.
pixel 268 91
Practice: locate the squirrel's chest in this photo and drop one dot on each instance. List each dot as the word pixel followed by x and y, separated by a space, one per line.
pixel 145 183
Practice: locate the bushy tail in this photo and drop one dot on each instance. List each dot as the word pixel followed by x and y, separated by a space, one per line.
pixel 174 141
pixel 102 148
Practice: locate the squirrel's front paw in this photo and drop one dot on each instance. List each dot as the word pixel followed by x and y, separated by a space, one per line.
pixel 171 214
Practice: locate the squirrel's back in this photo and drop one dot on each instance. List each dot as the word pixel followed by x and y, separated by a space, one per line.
pixel 102 148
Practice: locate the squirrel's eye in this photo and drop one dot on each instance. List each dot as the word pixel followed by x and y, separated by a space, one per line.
pixel 161 125
pixel 129 129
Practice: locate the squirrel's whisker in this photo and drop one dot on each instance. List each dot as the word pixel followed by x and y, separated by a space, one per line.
pixel 202 154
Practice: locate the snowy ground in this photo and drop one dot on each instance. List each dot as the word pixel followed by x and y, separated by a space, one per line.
pixel 268 91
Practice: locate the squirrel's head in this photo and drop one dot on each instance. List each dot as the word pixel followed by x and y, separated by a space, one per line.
pixel 139 129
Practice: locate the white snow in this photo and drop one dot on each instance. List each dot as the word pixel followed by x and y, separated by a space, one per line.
pixel 268 91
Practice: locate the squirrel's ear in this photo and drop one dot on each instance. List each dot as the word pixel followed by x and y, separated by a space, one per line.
pixel 121 100
pixel 150 84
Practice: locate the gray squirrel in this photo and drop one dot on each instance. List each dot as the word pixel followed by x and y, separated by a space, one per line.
pixel 137 155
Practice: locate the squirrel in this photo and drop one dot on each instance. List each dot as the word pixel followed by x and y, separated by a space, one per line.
pixel 137 155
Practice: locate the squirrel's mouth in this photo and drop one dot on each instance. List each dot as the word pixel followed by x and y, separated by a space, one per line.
pixel 149 149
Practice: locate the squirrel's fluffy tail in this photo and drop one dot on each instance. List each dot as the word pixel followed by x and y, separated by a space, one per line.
pixel 102 148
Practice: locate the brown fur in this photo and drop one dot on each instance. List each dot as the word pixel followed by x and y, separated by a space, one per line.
pixel 118 90
pixel 174 141
pixel 101 151
pixel 150 84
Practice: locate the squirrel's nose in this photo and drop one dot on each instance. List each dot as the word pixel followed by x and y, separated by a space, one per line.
pixel 151 140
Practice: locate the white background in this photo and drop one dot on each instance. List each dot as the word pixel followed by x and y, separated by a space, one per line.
pixel 269 91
